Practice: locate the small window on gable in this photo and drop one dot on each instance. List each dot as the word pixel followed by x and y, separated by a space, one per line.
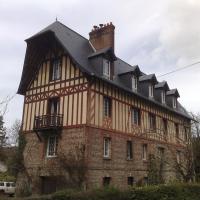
pixel 174 102
pixel 163 97
pixel 135 116
pixel 55 71
pixel 52 146
pixel 106 68
pixel 151 90
pixel 107 106
pixel 134 83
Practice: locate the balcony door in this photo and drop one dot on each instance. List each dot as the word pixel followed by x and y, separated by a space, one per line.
pixel 53 110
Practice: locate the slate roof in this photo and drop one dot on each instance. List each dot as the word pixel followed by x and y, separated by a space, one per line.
pixel 162 84
pixel 173 92
pixel 79 49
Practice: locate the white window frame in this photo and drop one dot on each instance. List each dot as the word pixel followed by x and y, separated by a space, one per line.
pixel 151 90
pixel 56 69
pixel 144 152
pixel 163 97
pixel 106 68
pixel 106 147
pixel 55 144
pixel 134 83
pixel 174 102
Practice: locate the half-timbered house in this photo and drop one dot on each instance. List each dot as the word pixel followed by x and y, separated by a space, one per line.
pixel 79 95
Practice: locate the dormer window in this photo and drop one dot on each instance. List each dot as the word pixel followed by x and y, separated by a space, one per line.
pixel 174 102
pixel 163 97
pixel 106 68
pixel 134 83
pixel 151 90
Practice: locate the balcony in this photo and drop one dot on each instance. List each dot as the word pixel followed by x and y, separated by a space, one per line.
pixel 48 122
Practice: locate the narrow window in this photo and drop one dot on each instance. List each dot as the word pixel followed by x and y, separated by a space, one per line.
pixel 134 83
pixel 55 71
pixel 107 105
pixel 130 180
pixel 186 133
pixel 107 148
pixel 53 106
pixel 151 90
pixel 52 146
pixel 177 130
pixel 163 97
pixel 174 102
pixel 165 129
pixel 106 68
pixel 129 150
pixel 106 181
pixel 178 157
pixel 146 180
pixel 136 116
pixel 152 121
pixel 161 152
pixel 144 151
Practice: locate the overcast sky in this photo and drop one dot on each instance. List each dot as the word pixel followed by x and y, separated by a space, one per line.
pixel 158 35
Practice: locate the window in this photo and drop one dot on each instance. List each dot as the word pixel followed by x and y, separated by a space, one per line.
pixel 1 183
pixel 151 89
pixel 52 146
pixel 130 180
pixel 186 133
pixel 107 106
pixel 106 181
pixel 161 152
pixel 163 97
pixel 129 150
pixel 174 102
pixel 144 151
pixel 134 82
pixel 165 129
pixel 146 180
pixel 152 121
pixel 53 106
pixel 55 72
pixel 176 130
pixel 178 157
pixel 107 148
pixel 106 68
pixel 135 116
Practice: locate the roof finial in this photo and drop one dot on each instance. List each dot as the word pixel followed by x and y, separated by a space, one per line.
pixel 56 19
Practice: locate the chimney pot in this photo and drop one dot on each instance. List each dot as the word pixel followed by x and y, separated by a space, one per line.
pixel 101 25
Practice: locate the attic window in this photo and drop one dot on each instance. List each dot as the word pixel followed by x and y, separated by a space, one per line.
pixel 151 90
pixel 163 99
pixel 55 72
pixel 134 83
pixel 106 68
pixel 174 102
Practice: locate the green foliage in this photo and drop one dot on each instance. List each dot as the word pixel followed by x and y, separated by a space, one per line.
pixel 4 176
pixel 159 192
pixel 16 162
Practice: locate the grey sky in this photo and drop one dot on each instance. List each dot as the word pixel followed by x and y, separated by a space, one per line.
pixel 159 36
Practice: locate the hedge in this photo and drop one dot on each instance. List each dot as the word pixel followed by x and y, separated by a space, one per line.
pixel 161 192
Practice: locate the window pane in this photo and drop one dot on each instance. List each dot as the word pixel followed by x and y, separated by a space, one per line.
pixel 129 150
pixel 52 146
pixel 106 147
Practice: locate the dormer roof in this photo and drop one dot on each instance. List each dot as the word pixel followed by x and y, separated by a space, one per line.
pixel 108 51
pixel 149 77
pixel 162 85
pixel 173 92
pixel 135 70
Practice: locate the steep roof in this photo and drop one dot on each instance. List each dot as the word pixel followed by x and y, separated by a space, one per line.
pixel 79 49
pixel 162 84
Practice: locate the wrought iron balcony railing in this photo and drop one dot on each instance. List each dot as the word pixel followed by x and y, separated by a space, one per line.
pixel 46 122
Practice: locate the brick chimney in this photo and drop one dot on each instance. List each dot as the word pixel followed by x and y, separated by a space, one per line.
pixel 103 36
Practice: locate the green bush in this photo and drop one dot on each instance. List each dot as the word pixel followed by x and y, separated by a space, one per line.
pixel 160 192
